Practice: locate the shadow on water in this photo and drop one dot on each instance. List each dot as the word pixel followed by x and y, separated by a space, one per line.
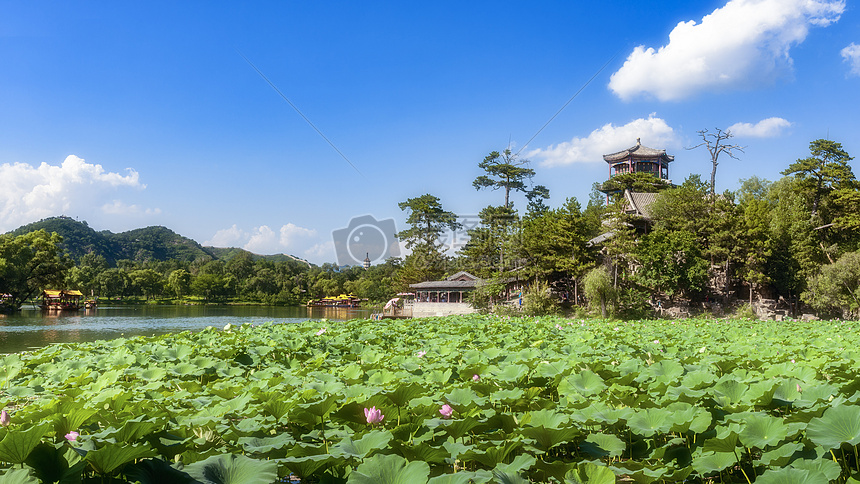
pixel 32 328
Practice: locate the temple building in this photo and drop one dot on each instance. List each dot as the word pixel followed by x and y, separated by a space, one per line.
pixel 639 159
pixel 636 159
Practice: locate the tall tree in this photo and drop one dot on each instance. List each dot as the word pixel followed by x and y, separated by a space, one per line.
pixel 671 262
pixel 716 145
pixel 553 247
pixel 29 263
pixel 505 171
pixel 427 222
pixel 826 170
pixel 486 251
pixel 836 288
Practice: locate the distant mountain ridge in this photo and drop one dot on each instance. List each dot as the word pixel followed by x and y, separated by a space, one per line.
pixel 148 243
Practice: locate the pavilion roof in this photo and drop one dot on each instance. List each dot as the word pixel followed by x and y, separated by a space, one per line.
pixel 638 151
pixel 445 285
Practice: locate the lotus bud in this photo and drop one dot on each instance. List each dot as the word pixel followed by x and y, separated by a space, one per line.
pixel 5 419
pixel 373 415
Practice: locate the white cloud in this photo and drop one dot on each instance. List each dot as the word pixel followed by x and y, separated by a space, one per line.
pixel 766 128
pixel 740 45
pixel 291 233
pixel 324 252
pixel 30 193
pixel 117 207
pixel 653 132
pixel 263 240
pixel 851 55
pixel 232 237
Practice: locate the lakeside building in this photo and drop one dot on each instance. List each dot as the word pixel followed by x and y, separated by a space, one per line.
pixel 444 298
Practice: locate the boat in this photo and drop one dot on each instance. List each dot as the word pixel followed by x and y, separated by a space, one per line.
pixel 342 301
pixel 61 300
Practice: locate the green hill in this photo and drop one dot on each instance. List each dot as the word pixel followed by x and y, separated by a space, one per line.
pixel 149 243
pixel 155 243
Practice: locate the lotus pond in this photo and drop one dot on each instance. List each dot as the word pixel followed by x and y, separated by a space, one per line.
pixel 441 400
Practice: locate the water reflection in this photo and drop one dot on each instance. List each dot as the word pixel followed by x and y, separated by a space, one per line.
pixel 32 328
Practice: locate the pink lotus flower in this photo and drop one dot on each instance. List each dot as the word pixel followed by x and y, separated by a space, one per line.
pixel 476 377
pixel 373 415
pixel 420 354
pixel 72 436
pixel 446 411
pixel 320 332
pixel 799 390
pixel 5 419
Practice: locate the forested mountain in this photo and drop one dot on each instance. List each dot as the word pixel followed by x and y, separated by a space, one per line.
pixel 78 238
pixel 150 243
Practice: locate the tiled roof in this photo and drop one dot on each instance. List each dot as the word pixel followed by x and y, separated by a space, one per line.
pixel 445 285
pixel 640 152
pixel 640 203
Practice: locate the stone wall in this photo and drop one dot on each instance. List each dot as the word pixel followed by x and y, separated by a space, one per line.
pixel 424 309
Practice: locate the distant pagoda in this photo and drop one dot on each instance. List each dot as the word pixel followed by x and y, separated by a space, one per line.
pixel 639 159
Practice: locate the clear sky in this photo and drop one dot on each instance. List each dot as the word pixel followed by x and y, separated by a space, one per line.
pixel 130 114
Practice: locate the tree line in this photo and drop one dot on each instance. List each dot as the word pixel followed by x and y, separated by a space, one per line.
pixel 796 238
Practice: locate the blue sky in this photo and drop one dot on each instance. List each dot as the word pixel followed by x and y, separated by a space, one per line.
pixel 135 114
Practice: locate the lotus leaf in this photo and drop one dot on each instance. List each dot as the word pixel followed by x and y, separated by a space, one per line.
pixel 790 475
pixel 17 444
pixel 761 431
pixel 839 424
pixel 233 469
pixel 111 456
pixel 19 476
pixel 389 469
pixel 603 445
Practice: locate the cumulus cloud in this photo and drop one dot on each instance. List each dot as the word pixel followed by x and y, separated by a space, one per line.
pixel 740 45
pixel 766 128
pixel 324 252
pixel 117 207
pixel 31 193
pixel 263 239
pixel 851 55
pixel 653 132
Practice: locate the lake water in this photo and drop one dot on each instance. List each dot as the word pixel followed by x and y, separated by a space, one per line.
pixel 31 328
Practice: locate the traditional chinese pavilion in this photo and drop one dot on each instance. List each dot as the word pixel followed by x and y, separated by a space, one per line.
pixel 639 159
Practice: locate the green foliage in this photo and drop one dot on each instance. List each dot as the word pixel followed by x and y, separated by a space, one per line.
pixel 825 170
pixel 28 264
pixel 671 263
pixel 427 222
pixel 556 400
pixel 744 311
pixel 538 300
pixel 504 170
pixel 553 247
pixel 492 245
pixel 599 290
pixel 836 288
pixel 637 182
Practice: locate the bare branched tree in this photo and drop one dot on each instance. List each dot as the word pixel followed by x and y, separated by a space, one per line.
pixel 716 144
